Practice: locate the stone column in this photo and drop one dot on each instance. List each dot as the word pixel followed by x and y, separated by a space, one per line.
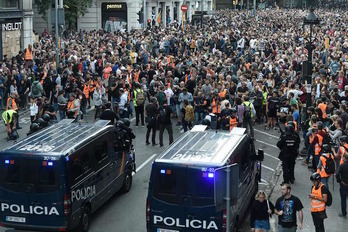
pixel 27 27
pixel 164 13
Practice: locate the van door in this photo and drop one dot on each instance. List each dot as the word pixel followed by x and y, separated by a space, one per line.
pixel 169 201
pixel 31 191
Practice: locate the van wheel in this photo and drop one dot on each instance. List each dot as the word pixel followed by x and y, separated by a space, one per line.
pixel 85 220
pixel 127 184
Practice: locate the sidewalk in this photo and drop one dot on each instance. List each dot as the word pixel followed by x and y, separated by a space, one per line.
pixel 301 188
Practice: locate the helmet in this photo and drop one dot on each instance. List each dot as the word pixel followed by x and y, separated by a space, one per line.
pixel 344 139
pixel 41 122
pixel 206 122
pixel 315 176
pixel 120 124
pixel 34 127
pixel 46 117
pixel 126 122
pixel 326 148
pixel 291 123
pixel 289 129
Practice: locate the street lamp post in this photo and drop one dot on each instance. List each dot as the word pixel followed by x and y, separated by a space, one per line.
pixel 310 20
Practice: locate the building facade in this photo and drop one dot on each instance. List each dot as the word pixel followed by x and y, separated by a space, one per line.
pixel 16 26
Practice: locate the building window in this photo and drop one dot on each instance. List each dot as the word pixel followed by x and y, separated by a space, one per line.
pixel 9 4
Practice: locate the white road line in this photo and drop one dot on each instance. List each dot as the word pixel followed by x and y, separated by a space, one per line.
pixel 268 134
pixel 263 181
pixel 146 162
pixel 268 144
pixel 271 156
pixel 132 119
pixel 271 169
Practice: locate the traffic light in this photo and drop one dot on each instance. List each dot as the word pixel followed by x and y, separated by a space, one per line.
pixel 141 16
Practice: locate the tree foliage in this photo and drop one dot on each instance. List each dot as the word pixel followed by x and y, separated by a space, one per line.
pixel 73 9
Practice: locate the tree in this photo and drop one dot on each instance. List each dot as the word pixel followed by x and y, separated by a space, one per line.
pixel 73 9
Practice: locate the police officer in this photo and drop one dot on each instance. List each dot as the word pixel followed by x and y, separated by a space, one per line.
pixel 318 198
pixel 288 145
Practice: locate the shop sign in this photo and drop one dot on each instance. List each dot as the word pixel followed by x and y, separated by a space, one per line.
pixel 12 26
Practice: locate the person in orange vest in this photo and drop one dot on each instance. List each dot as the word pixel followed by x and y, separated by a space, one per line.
pixel 322 106
pixel 342 149
pixel 73 107
pixel 12 105
pixel 91 87
pixel 28 56
pixel 233 119
pixel 342 179
pixel 316 143
pixel 318 198
pixel 326 154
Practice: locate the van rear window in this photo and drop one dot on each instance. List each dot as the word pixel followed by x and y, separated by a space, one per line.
pixel 183 186
pixel 29 175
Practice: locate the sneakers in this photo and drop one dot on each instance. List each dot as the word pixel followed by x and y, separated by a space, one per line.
pixel 147 143
pixel 266 128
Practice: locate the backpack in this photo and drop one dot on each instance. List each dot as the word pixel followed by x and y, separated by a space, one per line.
pixel 35 89
pixel 329 198
pixel 247 111
pixel 140 98
pixel 189 114
pixel 162 115
pixel 326 138
pixel 330 165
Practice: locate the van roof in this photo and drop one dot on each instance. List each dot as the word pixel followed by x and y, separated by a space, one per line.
pixel 58 139
pixel 208 148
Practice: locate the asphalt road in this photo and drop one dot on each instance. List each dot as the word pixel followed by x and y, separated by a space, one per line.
pixel 126 212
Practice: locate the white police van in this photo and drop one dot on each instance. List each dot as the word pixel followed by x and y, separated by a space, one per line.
pixel 189 182
pixel 56 178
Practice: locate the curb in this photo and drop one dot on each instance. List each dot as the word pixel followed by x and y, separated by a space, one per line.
pixel 274 180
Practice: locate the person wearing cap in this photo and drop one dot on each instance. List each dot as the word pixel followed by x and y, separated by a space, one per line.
pixel 73 107
pixel 10 118
pixel 342 179
pixel 318 196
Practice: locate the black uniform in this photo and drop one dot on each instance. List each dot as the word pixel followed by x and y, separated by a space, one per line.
pixel 288 144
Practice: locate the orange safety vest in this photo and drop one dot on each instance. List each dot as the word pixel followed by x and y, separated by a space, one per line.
pixel 136 77
pixel 233 123
pixel 323 106
pixel 343 150
pixel 13 104
pixel 86 90
pixel 43 78
pixel 316 205
pixel 91 87
pixel 321 171
pixel 215 107
pixel 317 146
pixel 294 123
pixel 28 55
pixel 222 94
pixel 71 106
pixel 311 137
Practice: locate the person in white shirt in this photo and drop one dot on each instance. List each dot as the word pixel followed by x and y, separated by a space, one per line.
pixel 34 110
pixel 123 104
pixel 169 93
pixel 295 91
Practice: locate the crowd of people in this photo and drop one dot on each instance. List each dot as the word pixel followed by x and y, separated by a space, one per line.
pixel 237 70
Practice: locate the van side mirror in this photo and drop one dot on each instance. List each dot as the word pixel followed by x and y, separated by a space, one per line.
pixel 260 155
pixel 220 185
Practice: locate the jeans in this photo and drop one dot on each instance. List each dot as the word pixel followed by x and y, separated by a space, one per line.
pixel 246 123
pixel 344 194
pixel 285 229
pixel 315 161
pixel 139 111
pixel 149 129
pixel 61 114
pixel 97 112
pixel 169 128
pixel 325 181
pixel 186 125
pixel 199 116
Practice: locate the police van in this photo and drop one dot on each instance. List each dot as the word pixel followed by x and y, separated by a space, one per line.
pixel 199 177
pixel 56 178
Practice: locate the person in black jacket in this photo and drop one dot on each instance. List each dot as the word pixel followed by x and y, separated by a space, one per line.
pixel 261 210
pixel 164 116
pixel 342 179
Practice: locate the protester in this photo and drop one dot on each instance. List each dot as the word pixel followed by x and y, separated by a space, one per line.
pixel 261 210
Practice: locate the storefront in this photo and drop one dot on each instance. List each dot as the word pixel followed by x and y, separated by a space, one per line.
pixel 11 36
pixel 114 16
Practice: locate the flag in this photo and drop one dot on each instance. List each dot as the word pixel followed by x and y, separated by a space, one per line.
pixel 159 17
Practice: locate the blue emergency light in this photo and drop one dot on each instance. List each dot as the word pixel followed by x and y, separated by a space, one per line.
pixel 163 171
pixel 50 163
pixel 7 161
pixel 211 175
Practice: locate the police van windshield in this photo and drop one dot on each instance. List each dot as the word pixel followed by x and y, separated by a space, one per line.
pixel 184 186
pixel 29 175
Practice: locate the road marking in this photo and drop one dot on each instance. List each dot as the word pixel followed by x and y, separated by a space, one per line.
pixel 132 119
pixel 24 120
pixel 263 181
pixel 271 169
pixel 265 133
pixel 266 154
pixel 271 145
pixel 146 162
